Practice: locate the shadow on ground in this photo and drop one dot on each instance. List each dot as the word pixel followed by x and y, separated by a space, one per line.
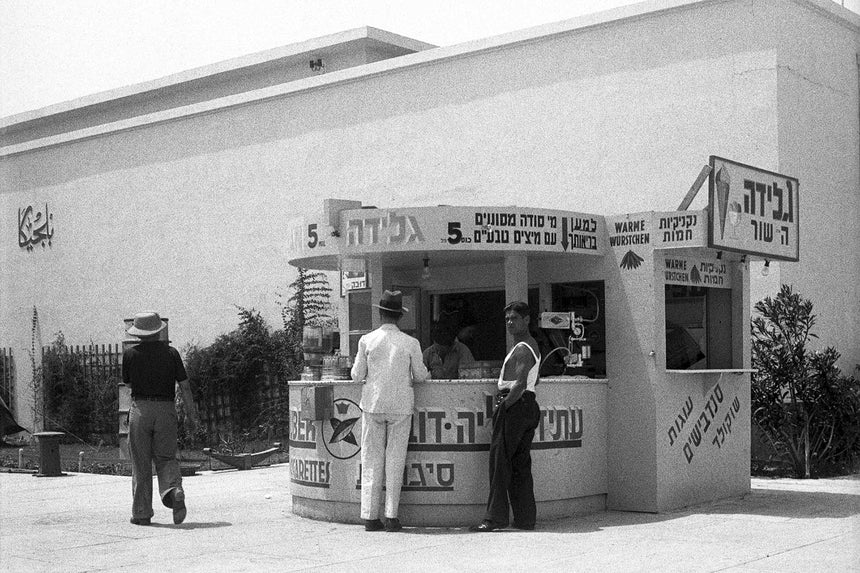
pixel 194 525
pixel 784 503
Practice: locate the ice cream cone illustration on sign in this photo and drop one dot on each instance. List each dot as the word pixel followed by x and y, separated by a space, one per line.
pixel 722 182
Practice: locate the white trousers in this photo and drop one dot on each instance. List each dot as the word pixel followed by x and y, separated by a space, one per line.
pixel 384 439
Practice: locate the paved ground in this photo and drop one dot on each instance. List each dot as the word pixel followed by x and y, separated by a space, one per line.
pixel 241 521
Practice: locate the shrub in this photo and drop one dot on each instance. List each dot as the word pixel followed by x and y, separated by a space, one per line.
pixel 806 409
pixel 79 402
pixel 245 371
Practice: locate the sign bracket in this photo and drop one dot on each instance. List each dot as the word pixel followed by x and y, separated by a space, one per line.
pixel 694 190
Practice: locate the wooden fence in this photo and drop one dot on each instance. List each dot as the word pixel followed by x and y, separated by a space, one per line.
pixel 97 361
pixel 216 413
pixel 100 363
pixel 79 389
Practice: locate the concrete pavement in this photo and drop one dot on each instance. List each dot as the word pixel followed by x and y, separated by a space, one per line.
pixel 241 521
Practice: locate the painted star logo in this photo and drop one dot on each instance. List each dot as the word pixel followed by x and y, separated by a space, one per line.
pixel 341 431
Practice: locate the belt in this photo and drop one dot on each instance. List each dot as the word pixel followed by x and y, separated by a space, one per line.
pixel 526 393
pixel 153 398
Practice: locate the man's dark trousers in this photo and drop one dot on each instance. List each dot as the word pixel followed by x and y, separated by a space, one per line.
pixel 511 463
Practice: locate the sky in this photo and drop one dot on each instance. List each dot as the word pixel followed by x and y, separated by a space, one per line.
pixel 58 50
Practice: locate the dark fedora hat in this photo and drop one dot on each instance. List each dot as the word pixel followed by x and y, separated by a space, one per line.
pixel 392 302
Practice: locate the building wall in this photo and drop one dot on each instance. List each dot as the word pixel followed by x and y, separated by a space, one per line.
pixel 191 216
pixel 819 142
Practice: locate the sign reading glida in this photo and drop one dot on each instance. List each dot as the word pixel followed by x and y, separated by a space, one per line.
pixel 753 211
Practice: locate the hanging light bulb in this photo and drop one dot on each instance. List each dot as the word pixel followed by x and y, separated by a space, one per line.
pixel 765 270
pixel 425 274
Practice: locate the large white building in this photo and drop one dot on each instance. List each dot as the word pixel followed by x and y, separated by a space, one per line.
pixel 178 194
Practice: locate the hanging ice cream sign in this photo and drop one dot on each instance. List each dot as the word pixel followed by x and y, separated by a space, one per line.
pixel 753 211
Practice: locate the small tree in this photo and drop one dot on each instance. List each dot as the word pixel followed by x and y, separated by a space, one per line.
pixel 800 401
pixel 309 304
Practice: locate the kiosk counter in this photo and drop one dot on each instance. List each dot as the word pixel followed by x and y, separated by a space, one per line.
pixel 445 482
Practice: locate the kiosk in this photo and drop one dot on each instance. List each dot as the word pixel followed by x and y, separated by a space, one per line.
pixel 643 325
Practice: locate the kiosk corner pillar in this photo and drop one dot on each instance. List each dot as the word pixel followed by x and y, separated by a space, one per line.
pixel 374 270
pixel 516 281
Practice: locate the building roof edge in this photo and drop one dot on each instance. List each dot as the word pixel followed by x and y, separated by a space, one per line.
pixel 232 64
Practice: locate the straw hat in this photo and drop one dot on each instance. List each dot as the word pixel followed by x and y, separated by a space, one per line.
pixel 146 324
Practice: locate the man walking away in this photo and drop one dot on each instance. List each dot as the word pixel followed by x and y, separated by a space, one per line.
pixel 152 369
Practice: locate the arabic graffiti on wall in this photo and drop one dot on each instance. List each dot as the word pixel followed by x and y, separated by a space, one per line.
pixel 35 227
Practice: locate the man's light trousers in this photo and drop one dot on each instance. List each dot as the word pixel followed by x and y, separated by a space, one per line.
pixel 384 439
pixel 152 438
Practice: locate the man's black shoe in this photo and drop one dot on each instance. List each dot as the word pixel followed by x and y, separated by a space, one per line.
pixel 486 527
pixel 392 524
pixel 373 525
pixel 524 527
pixel 141 521
pixel 179 510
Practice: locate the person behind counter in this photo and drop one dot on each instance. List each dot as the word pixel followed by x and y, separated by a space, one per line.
pixel 444 357
pixel 514 421
pixel 388 361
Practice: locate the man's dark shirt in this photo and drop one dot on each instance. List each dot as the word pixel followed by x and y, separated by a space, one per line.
pixel 152 370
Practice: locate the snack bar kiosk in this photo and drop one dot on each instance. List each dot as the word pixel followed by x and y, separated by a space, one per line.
pixel 642 320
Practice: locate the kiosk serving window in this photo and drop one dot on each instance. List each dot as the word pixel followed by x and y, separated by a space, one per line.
pixel 587 300
pixel 698 327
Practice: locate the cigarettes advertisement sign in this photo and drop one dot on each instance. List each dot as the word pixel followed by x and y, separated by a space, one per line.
pixel 753 211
